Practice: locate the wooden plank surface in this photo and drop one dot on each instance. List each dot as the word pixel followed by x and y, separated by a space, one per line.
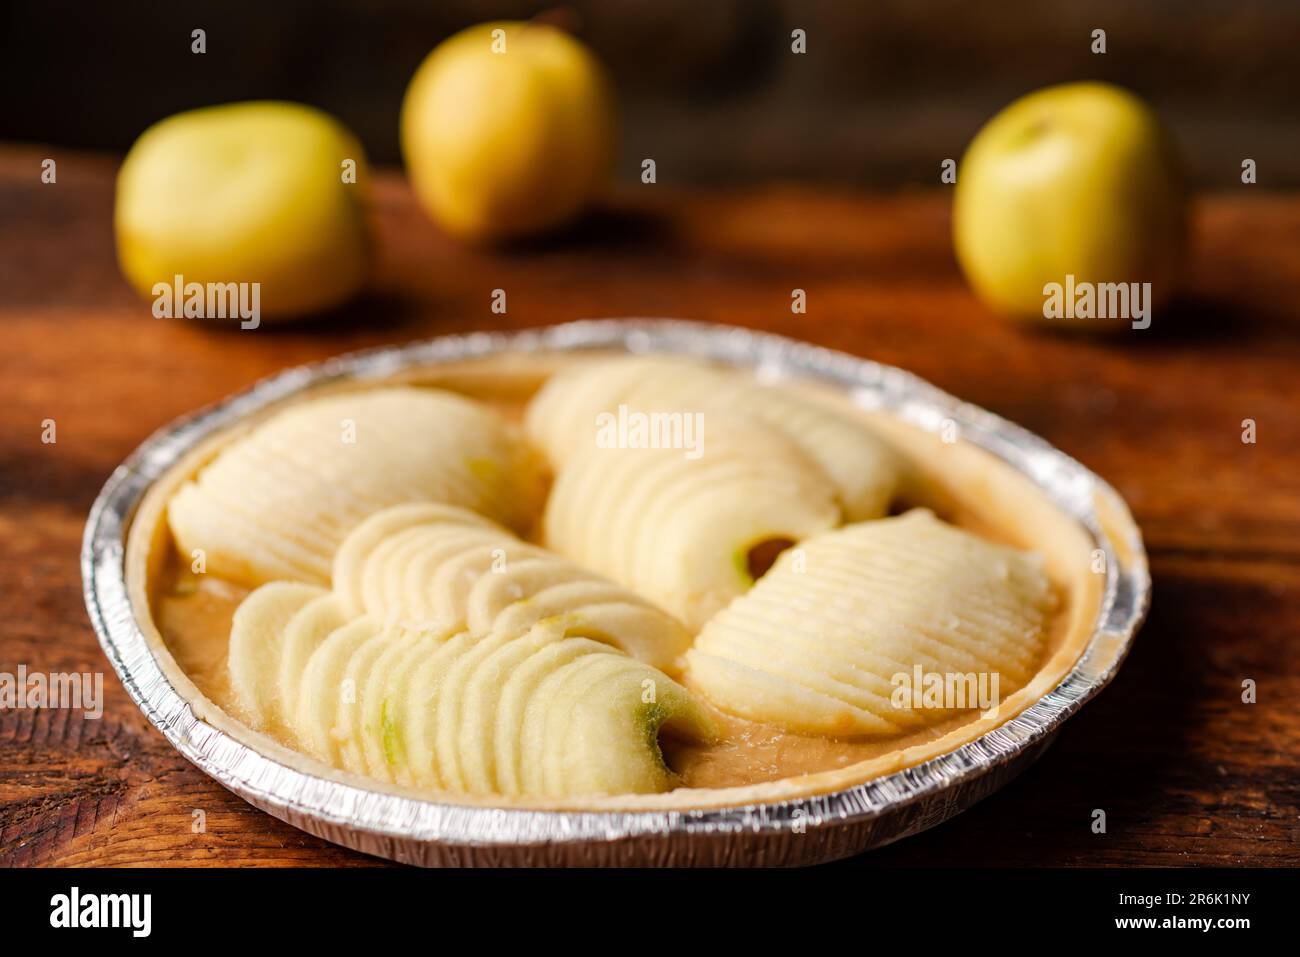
pixel 1186 772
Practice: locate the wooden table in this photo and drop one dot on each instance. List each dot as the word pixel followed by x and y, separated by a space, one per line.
pixel 1186 772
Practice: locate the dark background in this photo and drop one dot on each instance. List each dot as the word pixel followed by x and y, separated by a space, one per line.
pixel 710 90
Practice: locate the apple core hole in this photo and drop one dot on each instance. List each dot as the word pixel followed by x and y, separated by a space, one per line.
pixel 670 751
pixel 762 556
pixel 675 747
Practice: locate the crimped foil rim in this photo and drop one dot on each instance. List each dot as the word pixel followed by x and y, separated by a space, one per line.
pixel 381 822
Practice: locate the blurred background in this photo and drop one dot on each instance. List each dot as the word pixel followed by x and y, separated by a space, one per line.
pixel 708 90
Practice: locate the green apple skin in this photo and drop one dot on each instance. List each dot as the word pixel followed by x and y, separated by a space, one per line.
pixel 1077 179
pixel 247 192
pixel 509 144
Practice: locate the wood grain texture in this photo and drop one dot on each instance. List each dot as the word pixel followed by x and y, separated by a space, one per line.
pixel 1186 773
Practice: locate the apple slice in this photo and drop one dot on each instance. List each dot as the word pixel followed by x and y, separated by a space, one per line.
pixel 562 417
pixel 448 713
pixel 243 549
pixel 322 691
pixel 417 710
pixel 758 693
pixel 592 726
pixel 484 715
pixel 819 642
pixel 433 570
pixel 864 469
pixel 489 687
pixel 382 710
pixel 545 718
pixel 556 589
pixel 612 741
pixel 256 644
pixel 277 501
pixel 597 609
pixel 517 694
pixel 508 600
pixel 480 712
pixel 670 527
pixel 395 582
pixel 349 723
pixel 354 553
pixel 449 586
pixel 302 635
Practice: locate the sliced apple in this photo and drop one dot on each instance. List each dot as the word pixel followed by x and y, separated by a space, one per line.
pixel 417 711
pixel 508 600
pixel 606 612
pixel 816 644
pixel 545 718
pixel 454 578
pixel 256 644
pixel 381 529
pixel 244 551
pixel 396 581
pixel 385 694
pixel 349 722
pixel 592 726
pixel 562 419
pixel 322 691
pixel 563 590
pixel 514 735
pixel 612 742
pixel 480 709
pixel 668 526
pixel 761 695
pixel 449 716
pixel 302 635
pixel 435 570
pixel 468 713
pixel 475 705
pixel 276 503
pixel 865 471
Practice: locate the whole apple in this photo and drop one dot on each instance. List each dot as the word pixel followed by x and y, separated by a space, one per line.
pixel 1066 189
pixel 266 192
pixel 508 130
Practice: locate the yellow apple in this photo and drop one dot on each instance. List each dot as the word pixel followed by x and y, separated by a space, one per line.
pixel 507 130
pixel 1073 184
pixel 247 193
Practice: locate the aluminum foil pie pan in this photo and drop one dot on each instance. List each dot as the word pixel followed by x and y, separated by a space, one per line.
pixel 787 832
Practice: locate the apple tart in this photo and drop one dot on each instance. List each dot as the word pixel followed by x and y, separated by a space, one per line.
pixel 457 585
